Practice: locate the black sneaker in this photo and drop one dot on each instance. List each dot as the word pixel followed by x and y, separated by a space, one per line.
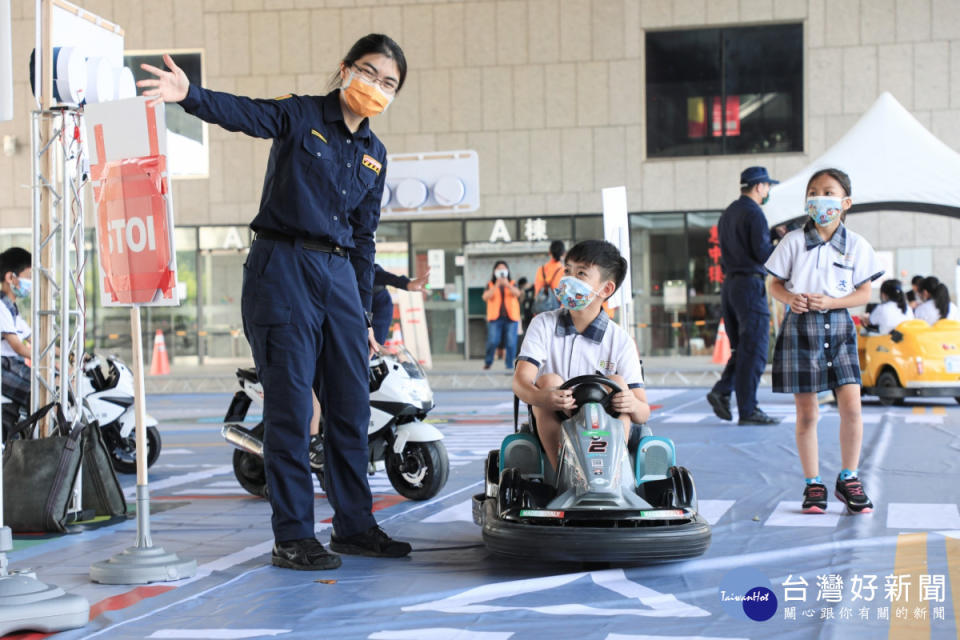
pixel 720 404
pixel 815 498
pixel 374 542
pixel 303 555
pixel 316 452
pixel 851 492
pixel 758 419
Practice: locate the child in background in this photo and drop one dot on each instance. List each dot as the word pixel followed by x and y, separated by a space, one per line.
pixel 15 271
pixel 892 309
pixel 821 271
pixel 936 302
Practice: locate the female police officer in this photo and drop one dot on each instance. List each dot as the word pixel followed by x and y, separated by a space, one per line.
pixel 307 283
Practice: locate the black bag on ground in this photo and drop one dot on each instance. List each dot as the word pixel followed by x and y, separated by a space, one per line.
pixel 38 475
pixel 101 488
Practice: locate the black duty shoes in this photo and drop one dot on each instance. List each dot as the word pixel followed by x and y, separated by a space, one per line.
pixel 815 498
pixel 720 404
pixel 374 542
pixel 851 493
pixel 758 419
pixel 303 555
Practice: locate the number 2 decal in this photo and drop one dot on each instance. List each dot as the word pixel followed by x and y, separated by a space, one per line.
pixel 598 446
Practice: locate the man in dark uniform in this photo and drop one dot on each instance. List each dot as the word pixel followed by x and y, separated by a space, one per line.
pixel 745 246
pixel 307 283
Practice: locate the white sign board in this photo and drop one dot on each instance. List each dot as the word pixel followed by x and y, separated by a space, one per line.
pixel 674 295
pixel 616 230
pixel 437 182
pixel 436 264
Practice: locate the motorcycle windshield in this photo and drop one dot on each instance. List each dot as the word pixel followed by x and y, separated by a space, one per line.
pixel 404 358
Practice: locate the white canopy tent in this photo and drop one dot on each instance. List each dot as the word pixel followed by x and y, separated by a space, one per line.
pixel 893 161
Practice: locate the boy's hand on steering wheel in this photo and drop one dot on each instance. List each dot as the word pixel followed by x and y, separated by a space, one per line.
pixel 559 399
pixel 625 402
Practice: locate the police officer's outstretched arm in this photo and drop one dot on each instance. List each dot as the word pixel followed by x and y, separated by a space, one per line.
pixel 259 118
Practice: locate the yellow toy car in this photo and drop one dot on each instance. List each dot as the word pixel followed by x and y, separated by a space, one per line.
pixel 914 359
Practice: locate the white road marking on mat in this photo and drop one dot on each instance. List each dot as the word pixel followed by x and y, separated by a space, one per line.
pixel 712 510
pixel 176 452
pixel 950 534
pixel 440 633
pixel 924 419
pixel 476 600
pixel 175 481
pixel 627 636
pixel 460 512
pixel 788 514
pixel 217 634
pixel 685 417
pixel 901 515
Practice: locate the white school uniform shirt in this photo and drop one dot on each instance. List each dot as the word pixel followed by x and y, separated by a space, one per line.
pixel 553 344
pixel 929 313
pixel 887 315
pixel 14 324
pixel 836 268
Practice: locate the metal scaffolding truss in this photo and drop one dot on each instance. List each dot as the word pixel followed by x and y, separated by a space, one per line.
pixel 58 310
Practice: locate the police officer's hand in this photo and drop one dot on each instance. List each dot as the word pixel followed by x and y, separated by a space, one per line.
pixel 372 343
pixel 558 399
pixel 169 86
pixel 798 303
pixel 418 284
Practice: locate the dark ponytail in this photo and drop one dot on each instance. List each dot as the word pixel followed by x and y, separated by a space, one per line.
pixel 941 298
pixel 891 289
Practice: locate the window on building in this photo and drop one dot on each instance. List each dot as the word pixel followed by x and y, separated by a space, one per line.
pixel 724 91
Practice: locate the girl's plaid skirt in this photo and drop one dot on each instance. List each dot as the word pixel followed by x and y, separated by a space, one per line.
pixel 816 352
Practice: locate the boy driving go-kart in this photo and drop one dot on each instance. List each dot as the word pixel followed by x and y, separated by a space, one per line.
pixel 579 339
pixel 589 493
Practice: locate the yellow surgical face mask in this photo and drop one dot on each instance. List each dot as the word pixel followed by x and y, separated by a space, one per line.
pixel 363 98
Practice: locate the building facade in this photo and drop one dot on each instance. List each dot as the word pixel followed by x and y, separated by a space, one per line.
pixel 560 98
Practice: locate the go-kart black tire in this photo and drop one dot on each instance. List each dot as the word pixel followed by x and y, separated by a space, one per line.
pixel 153 452
pixel 888 380
pixel 433 455
pixel 248 468
pixel 625 545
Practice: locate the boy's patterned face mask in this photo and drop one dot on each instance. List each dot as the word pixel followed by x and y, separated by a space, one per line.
pixel 824 209
pixel 574 294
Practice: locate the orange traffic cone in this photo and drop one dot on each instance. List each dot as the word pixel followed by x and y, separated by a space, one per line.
pixel 159 364
pixel 721 348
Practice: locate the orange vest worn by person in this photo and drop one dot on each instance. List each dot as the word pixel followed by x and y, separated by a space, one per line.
pixel 547 274
pixel 512 302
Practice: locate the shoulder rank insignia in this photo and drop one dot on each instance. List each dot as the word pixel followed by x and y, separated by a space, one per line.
pixel 284 96
pixel 371 163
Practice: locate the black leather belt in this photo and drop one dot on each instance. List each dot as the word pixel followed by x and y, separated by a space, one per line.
pixel 310 245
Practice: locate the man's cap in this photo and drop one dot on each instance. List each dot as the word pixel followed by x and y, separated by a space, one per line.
pixel 753 175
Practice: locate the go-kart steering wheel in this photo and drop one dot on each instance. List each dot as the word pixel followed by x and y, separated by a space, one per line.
pixel 592 393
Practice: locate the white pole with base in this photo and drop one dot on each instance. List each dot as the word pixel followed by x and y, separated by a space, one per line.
pixel 143 563
pixel 28 604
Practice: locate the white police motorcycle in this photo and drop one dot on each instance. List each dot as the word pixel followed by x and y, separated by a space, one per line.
pixel 400 398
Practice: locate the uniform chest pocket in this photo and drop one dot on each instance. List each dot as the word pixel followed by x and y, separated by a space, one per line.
pixel 366 176
pixel 320 152
pixel 846 267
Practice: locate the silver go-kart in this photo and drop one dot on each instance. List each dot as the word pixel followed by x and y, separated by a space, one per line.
pixel 609 501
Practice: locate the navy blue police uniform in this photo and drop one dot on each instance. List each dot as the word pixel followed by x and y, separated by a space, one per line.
pixel 745 246
pixel 307 280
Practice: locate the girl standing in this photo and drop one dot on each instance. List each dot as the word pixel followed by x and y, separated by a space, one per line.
pixel 892 309
pixel 503 313
pixel 821 271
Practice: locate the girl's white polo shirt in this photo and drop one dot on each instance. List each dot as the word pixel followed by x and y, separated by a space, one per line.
pixel 836 268
pixel 553 345
pixel 929 313
pixel 887 315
